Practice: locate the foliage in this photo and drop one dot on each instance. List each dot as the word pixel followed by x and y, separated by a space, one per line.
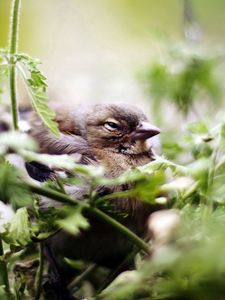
pixel 189 265
pixel 74 220
pixel 18 231
pixel 36 84
pixel 11 190
pixel 3 73
pixel 196 189
pixel 185 259
pixel 185 78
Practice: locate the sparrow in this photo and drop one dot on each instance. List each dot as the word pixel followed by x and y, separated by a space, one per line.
pixel 115 136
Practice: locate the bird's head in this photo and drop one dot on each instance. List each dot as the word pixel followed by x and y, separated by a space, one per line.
pixel 118 128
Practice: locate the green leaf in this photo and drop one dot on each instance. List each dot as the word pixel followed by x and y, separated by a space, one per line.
pixel 123 287
pixel 75 264
pixel 4 295
pixel 74 220
pixel 148 188
pixel 10 141
pixel 37 86
pixel 178 184
pixel 4 70
pixel 11 189
pixel 199 127
pixel 183 78
pixel 222 131
pixel 18 231
pixel 161 163
pixel 63 161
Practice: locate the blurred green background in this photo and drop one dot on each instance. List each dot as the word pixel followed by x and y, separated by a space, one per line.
pixel 151 54
pixel 92 50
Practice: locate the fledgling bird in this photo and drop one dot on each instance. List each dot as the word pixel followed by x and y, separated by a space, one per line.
pixel 114 136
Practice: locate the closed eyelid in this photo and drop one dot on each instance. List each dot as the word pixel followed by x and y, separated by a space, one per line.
pixel 112 120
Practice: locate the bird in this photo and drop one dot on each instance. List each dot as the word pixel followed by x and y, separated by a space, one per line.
pixel 115 136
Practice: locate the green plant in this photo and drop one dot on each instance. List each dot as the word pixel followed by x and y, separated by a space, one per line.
pixel 185 77
pixel 188 264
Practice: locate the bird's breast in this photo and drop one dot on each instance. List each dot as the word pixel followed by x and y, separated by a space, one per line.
pixel 116 164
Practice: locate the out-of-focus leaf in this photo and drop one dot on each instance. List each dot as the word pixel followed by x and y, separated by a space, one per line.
pixel 199 128
pixel 4 70
pixel 4 295
pixel 222 131
pixel 92 171
pixel 74 221
pixel 75 264
pixel 123 287
pixel 6 214
pixel 199 167
pixel 149 188
pixel 185 78
pixel 160 81
pixel 63 161
pixel 18 230
pixel 17 141
pixel 179 184
pixel 172 145
pixel 11 189
pixel 199 170
pixel 161 163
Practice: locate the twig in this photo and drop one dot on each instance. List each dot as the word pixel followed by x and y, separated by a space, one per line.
pixel 13 43
pixel 39 275
pixel 118 270
pixel 75 282
pixel 121 228
pixel 191 28
pixel 4 279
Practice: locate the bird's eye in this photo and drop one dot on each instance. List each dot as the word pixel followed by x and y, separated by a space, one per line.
pixel 112 126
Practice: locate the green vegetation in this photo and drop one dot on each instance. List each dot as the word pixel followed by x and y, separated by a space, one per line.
pixel 186 260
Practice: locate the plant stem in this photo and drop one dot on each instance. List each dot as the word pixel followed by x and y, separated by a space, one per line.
pixel 4 279
pixel 211 175
pixel 13 43
pixel 73 286
pixel 39 275
pixel 114 273
pixel 191 28
pixel 55 195
pixel 121 228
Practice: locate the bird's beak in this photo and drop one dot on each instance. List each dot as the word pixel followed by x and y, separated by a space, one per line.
pixel 144 131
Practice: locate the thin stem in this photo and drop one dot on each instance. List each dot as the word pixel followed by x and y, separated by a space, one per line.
pixel 55 195
pixel 73 286
pixel 13 96
pixel 126 262
pixel 60 185
pixel 116 195
pixel 211 175
pixel 13 44
pixel 39 275
pixel 191 28
pixel 121 228
pixel 4 279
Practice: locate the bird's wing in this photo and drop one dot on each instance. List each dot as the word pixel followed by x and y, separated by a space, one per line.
pixel 65 143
